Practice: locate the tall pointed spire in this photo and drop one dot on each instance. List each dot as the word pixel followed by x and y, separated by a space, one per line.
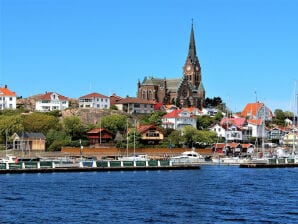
pixel 192 54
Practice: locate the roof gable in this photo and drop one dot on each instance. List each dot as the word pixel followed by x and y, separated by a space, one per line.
pixel 6 92
pixel 93 95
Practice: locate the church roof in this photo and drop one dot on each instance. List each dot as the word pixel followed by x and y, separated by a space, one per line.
pixel 153 81
pixel 173 84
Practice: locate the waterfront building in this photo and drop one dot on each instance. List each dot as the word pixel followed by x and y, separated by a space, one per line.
pixel 29 141
pixel 187 91
pixel 51 101
pixel 150 134
pixel 8 98
pixel 94 100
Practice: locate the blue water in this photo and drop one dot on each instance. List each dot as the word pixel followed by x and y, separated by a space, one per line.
pixel 213 194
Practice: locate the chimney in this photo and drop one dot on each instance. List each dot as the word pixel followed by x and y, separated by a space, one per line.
pixel 5 86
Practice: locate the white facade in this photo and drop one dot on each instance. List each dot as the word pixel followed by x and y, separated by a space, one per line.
pixel 8 99
pixel 51 101
pixel 178 119
pixel 94 100
pixel 220 131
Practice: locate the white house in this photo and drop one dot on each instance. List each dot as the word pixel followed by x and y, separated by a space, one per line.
pixel 220 131
pixel 257 128
pixel 177 119
pixel 51 101
pixel 133 105
pixel 94 100
pixel 8 99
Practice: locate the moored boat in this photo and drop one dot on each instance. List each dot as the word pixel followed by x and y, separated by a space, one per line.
pixel 188 157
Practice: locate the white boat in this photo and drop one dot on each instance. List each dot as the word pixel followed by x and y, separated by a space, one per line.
pixel 188 157
pixel 9 159
pixel 136 157
pixel 231 160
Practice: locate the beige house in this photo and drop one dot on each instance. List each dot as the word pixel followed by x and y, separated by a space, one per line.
pixel 290 138
pixel 29 141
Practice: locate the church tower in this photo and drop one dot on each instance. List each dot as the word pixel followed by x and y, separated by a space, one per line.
pixel 191 91
pixel 192 67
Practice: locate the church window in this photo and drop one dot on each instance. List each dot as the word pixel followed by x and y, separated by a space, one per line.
pixel 150 95
pixel 144 95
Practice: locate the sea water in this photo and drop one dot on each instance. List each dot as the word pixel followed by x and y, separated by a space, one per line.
pixel 212 194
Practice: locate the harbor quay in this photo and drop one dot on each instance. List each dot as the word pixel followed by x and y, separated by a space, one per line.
pixel 91 165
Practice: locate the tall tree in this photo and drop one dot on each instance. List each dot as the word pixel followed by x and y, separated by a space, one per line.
pixel 40 122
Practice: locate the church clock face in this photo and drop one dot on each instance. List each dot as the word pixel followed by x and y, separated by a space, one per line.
pixel 197 68
pixel 188 68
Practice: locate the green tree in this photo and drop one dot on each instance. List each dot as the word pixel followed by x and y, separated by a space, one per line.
pixel 153 118
pixel 189 135
pixel 203 122
pixel 279 117
pixel 205 138
pixel 11 124
pixel 74 127
pixel 114 123
pixel 40 122
pixel 174 138
pixel 56 140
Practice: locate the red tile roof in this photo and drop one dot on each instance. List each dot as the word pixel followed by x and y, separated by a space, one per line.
pixel 239 122
pixel 93 95
pixel 6 92
pixel 251 109
pixel 175 114
pixel 255 121
pixel 114 99
pixel 47 96
pixel 144 128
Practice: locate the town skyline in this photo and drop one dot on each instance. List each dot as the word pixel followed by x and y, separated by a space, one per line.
pixel 247 50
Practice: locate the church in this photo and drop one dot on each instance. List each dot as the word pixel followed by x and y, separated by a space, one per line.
pixel 187 91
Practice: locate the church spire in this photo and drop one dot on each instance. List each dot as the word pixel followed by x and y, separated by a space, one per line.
pixel 192 54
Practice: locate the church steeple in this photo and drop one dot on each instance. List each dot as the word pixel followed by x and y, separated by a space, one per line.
pixel 192 68
pixel 192 54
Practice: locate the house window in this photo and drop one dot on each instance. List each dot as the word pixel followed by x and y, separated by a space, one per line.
pixel 10 98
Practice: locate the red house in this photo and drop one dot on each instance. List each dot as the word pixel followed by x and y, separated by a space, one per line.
pixel 99 135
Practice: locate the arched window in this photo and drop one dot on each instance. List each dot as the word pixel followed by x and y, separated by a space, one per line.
pixel 150 95
pixel 143 94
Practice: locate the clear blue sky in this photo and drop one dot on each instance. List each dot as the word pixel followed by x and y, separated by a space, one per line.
pixel 75 47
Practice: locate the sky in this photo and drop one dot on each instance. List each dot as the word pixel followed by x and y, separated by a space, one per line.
pixel 247 49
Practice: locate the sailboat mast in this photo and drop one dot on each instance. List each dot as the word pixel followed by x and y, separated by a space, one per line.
pixel 126 137
pixel 295 108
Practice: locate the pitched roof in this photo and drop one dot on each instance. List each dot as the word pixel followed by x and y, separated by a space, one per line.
pixel 251 109
pixel 31 135
pixel 255 121
pixel 175 114
pixel 239 122
pixel 144 128
pixel 6 92
pixel 93 95
pixel 114 99
pixel 47 96
pixel 135 100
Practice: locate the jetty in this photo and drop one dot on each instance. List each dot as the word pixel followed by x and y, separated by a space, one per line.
pixel 90 166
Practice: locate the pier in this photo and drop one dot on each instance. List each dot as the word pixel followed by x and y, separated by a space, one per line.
pixel 89 166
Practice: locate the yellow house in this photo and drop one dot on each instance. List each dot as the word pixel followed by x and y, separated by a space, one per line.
pixel 289 138
pixel 29 141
